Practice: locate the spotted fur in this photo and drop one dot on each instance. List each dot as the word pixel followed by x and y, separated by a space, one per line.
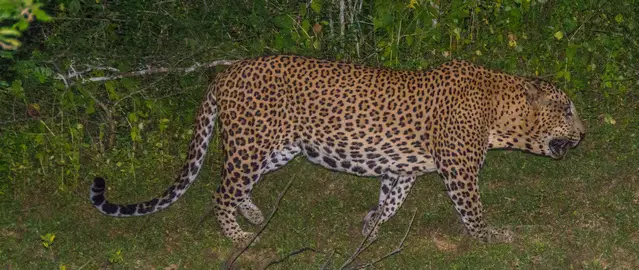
pixel 395 125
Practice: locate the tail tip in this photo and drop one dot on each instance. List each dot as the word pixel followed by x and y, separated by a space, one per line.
pixel 98 183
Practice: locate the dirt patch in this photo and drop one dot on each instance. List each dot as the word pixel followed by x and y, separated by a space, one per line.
pixel 253 258
pixel 444 243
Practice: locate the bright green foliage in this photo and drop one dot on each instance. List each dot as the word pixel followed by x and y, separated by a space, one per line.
pixel 57 131
pixel 20 13
pixel 47 239
pixel 116 257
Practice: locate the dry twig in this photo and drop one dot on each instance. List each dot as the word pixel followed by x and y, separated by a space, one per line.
pixel 361 246
pixel 291 255
pixel 342 23
pixel 328 261
pixel 233 256
pixel 73 75
pixel 398 249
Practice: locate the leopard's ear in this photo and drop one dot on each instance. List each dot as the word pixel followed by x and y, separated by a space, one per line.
pixel 533 95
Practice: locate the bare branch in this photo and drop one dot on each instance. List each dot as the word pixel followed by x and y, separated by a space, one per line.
pixel 361 246
pixel 342 24
pixel 398 249
pixel 234 257
pixel 73 74
pixel 328 261
pixel 291 255
pixel 208 213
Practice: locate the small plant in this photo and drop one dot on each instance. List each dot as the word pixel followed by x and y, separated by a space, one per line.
pixel 47 243
pixel 116 257
pixel 47 240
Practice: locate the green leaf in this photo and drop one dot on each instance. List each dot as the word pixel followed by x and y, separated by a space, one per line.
pixel 128 83
pixel 74 6
pixel 13 43
pixel 409 40
pixel 609 120
pixel 619 18
pixel 284 22
pixel 133 117
pixel 16 89
pixel 9 32
pixel 6 54
pixel 163 123
pixel 110 87
pixel 41 15
pixel 47 239
pixel 559 35
pixel 21 25
pixel 90 107
pixel 306 25
pixel 302 10
pixel 316 6
pixel 571 52
pixel 134 134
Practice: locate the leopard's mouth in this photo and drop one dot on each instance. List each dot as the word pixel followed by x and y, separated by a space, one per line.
pixel 559 147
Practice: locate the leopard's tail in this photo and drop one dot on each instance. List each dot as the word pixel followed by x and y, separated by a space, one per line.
pixel 203 131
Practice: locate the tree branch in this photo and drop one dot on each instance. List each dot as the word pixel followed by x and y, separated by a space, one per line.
pixel 397 250
pixel 73 75
pixel 328 261
pixel 291 255
pixel 233 257
pixel 361 246
pixel 342 23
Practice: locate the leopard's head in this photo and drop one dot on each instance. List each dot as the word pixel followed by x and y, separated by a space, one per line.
pixel 554 125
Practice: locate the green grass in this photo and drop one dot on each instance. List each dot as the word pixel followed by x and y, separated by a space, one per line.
pixel 579 212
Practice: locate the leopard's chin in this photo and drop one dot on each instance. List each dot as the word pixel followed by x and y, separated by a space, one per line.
pixel 559 147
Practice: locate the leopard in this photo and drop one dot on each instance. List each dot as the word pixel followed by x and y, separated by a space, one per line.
pixel 392 124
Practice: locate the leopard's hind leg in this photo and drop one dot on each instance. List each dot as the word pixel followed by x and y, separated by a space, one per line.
pixel 274 161
pixel 392 193
pixel 239 177
pixel 234 192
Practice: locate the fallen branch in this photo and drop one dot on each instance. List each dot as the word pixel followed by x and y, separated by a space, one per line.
pixel 234 257
pixel 208 213
pixel 291 255
pixel 73 74
pixel 328 261
pixel 361 246
pixel 398 249
pixel 342 23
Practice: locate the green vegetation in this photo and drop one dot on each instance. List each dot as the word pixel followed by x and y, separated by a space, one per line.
pixel 58 131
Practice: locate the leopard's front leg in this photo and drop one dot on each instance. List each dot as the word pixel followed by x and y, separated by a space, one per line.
pixel 463 190
pixel 460 169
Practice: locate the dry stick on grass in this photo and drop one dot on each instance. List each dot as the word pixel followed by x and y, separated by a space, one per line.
pixel 73 75
pixel 361 246
pixel 208 213
pixel 398 249
pixel 328 261
pixel 291 255
pixel 234 257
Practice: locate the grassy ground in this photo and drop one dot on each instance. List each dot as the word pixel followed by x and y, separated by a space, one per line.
pixel 580 212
